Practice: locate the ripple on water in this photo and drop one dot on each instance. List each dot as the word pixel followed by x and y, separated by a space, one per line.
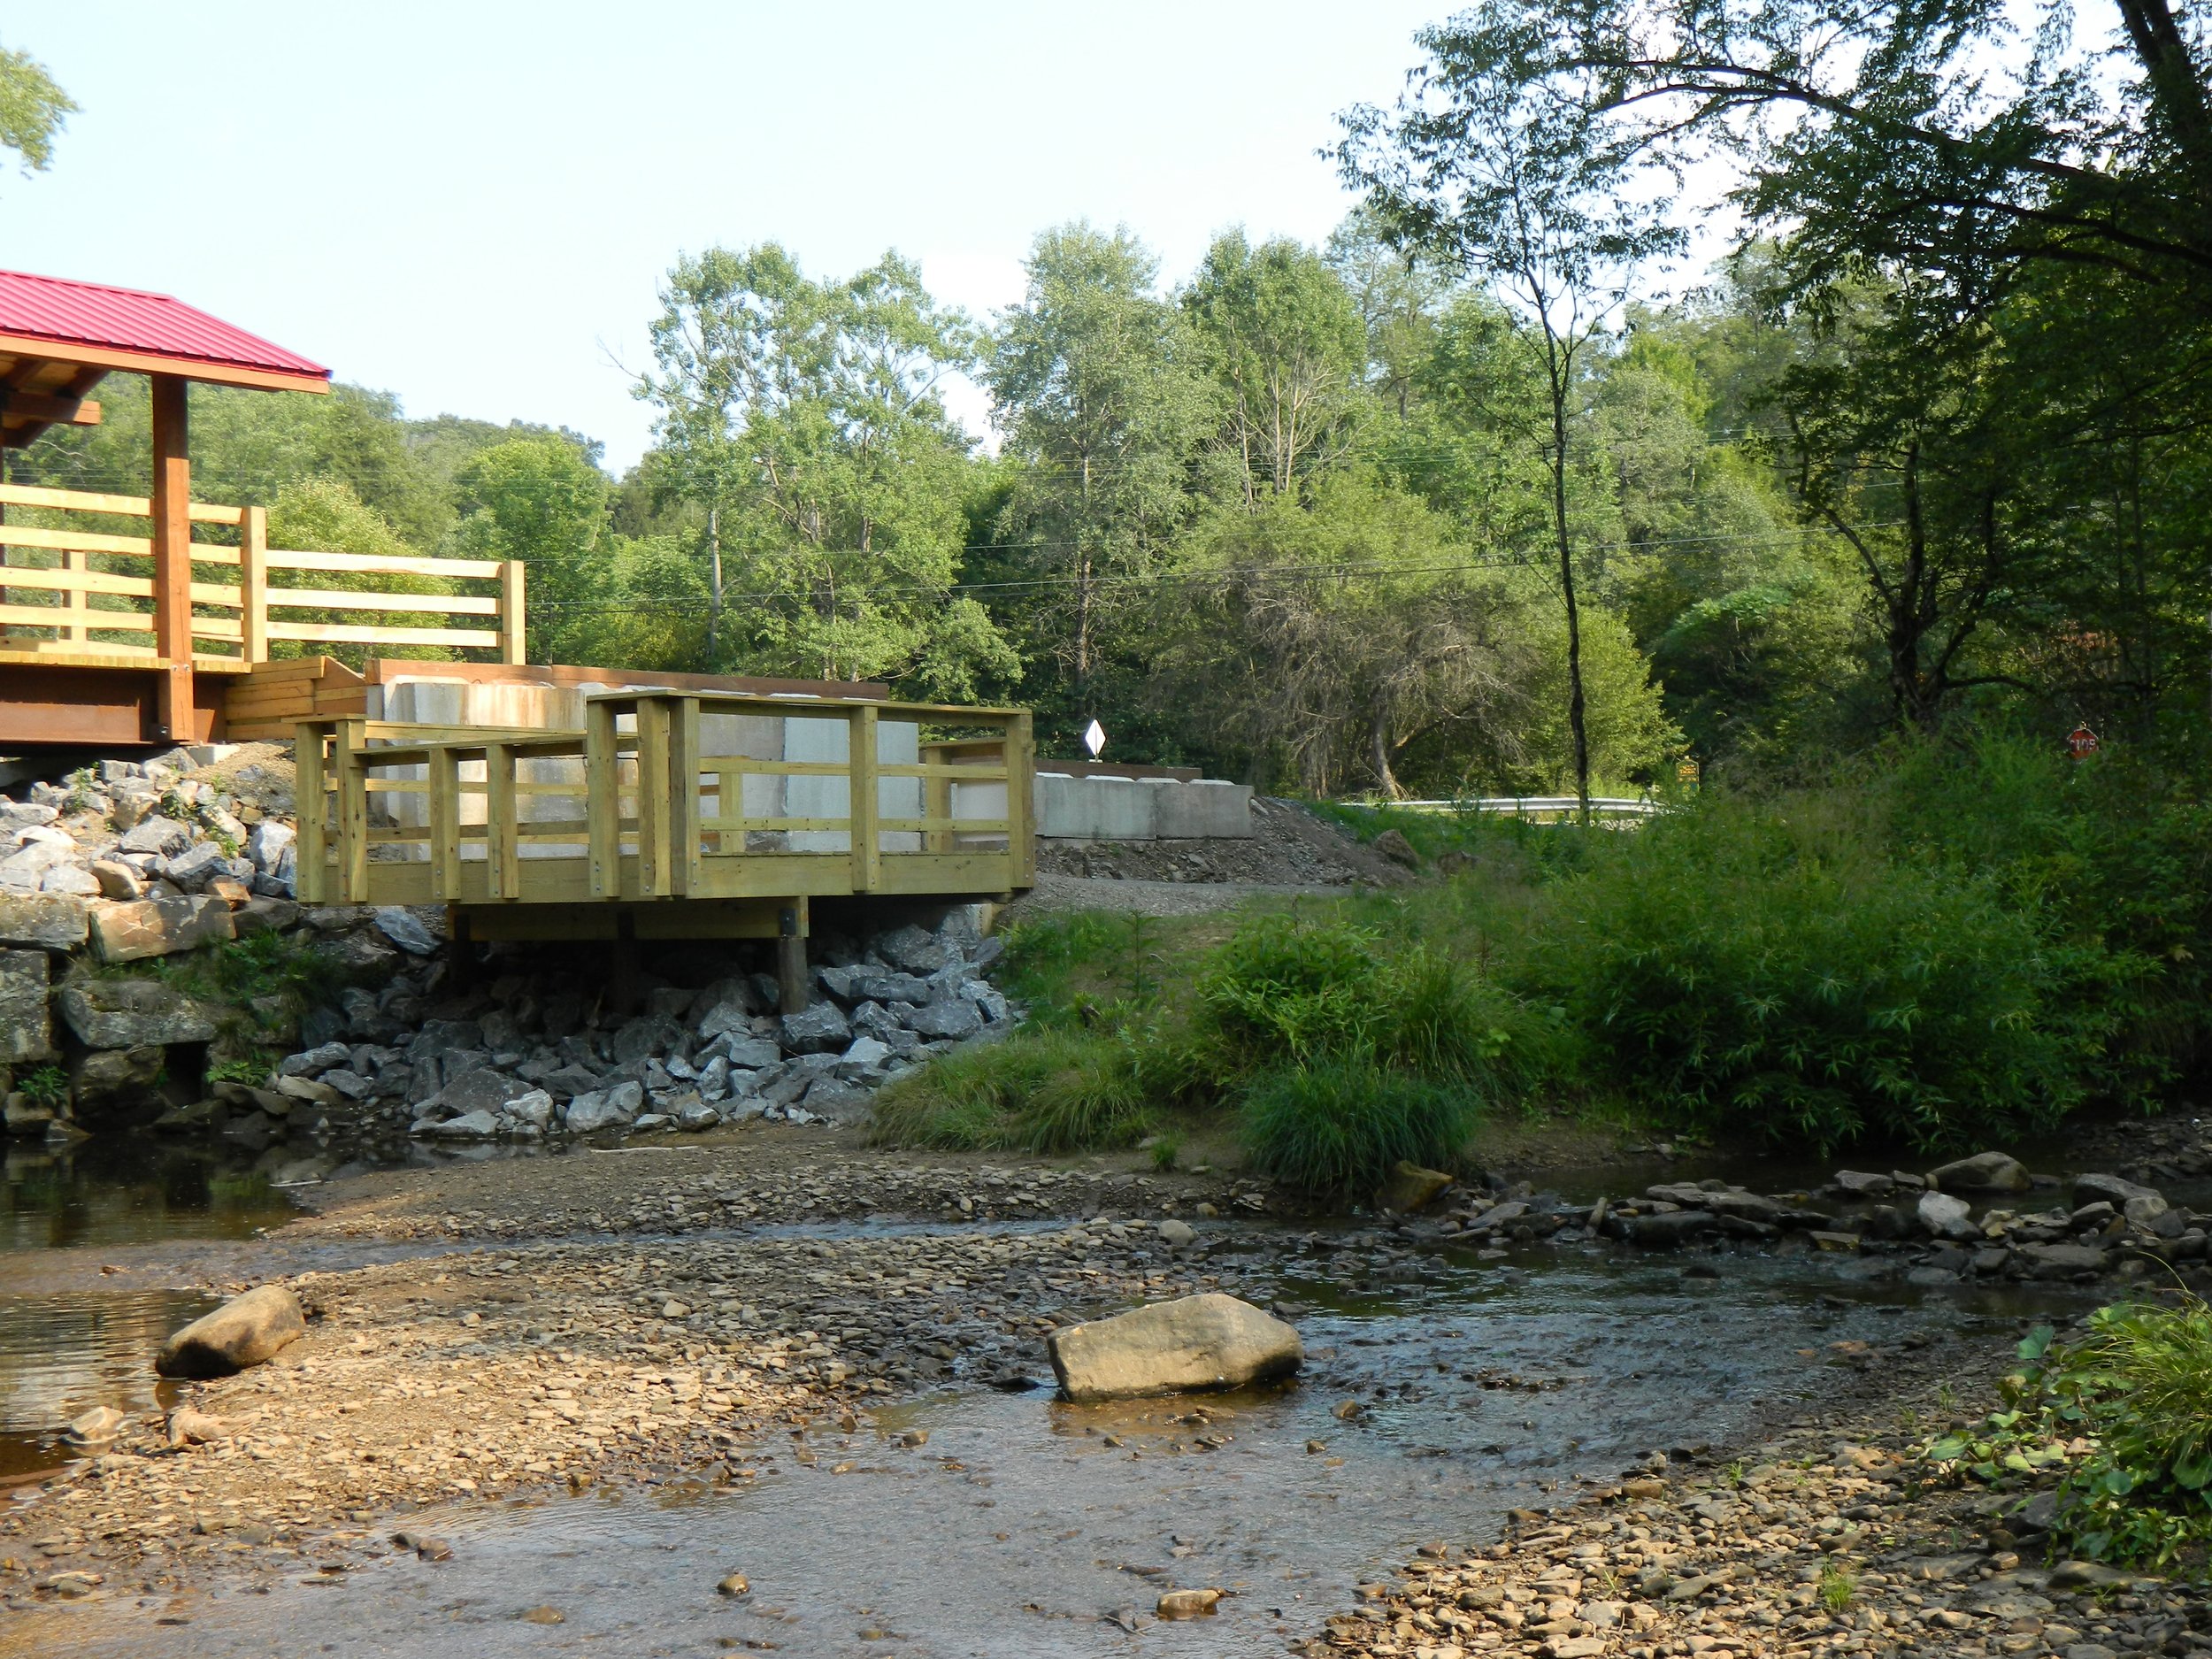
pixel 1023 1523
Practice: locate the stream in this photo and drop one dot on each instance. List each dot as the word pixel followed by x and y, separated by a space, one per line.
pixel 1023 1526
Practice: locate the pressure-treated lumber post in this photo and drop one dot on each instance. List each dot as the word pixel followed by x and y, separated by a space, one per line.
pixel 683 802
pixel 171 512
pixel 351 765
pixel 936 802
pixel 512 634
pixel 308 875
pixel 1021 783
pixel 253 585
pixel 655 845
pixel 72 597
pixel 502 858
pixel 792 986
pixel 445 825
pixel 602 801
pixel 860 766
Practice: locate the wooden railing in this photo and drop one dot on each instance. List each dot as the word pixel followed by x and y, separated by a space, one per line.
pixel 236 611
pixel 639 806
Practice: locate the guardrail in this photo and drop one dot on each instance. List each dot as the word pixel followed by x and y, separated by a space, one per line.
pixel 647 804
pixel 1526 805
pixel 95 591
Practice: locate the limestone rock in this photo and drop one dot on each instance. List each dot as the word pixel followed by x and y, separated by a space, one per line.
pixel 2089 1189
pixel 193 868
pixel 243 1331
pixel 118 881
pixel 25 1033
pixel 49 921
pixel 1192 1603
pixel 125 1013
pixel 604 1108
pixel 476 1126
pixel 114 1080
pixel 1178 1236
pixel 821 1029
pixel 157 927
pixel 954 1018
pixel 190 1427
pixel 1984 1172
pixel 480 1090
pixel 1411 1188
pixel 1945 1217
pixel 156 834
pixel 1200 1342
pixel 1865 1184
pixel 404 929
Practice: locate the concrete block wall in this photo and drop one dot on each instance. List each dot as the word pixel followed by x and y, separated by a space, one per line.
pixel 1140 809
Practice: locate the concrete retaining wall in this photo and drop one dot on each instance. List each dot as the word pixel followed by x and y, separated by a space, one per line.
pixel 1141 809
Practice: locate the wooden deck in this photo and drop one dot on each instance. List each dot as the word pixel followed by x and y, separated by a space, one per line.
pixel 641 825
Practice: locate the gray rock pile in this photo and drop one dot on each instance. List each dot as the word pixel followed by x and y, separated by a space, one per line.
pixel 124 861
pixel 544 1052
pixel 1980 1218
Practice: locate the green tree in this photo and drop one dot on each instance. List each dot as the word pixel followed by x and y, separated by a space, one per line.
pixel 33 109
pixel 1095 382
pixel 803 418
pixel 1284 340
pixel 541 500
pixel 1530 192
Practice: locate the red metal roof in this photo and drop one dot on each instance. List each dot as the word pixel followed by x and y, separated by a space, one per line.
pixel 110 319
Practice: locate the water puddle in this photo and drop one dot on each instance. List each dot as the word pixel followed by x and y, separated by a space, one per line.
pixel 1028 1525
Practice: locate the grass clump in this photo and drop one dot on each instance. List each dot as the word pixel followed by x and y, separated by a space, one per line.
pixel 1339 1126
pixel 1047 1090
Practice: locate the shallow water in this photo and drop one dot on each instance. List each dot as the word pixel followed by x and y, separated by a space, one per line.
pixel 1019 1529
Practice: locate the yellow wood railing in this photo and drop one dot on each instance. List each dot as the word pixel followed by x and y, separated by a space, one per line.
pixel 636 806
pixel 232 595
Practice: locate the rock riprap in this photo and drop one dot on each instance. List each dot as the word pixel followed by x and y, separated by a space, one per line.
pixel 243 1331
pixel 1199 1343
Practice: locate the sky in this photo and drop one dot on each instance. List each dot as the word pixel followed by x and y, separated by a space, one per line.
pixel 471 203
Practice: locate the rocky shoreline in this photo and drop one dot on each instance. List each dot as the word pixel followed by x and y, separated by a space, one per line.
pixel 1828 1537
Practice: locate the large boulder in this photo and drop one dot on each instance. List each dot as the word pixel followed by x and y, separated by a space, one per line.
pixel 117 1082
pixel 2090 1190
pixel 477 1126
pixel 1945 1216
pixel 157 927
pixel 481 1090
pixel 48 921
pixel 125 1013
pixel 1411 1188
pixel 1984 1172
pixel 25 1033
pixel 954 1017
pixel 244 1331
pixel 162 835
pixel 1200 1342
pixel 604 1108
pixel 821 1029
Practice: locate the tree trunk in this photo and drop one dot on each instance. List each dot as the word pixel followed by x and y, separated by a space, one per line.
pixel 1378 754
pixel 1576 725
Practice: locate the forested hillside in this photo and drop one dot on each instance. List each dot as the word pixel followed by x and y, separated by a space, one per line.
pixel 1929 440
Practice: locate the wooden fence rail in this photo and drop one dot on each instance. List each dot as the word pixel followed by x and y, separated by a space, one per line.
pixel 634 809
pixel 231 595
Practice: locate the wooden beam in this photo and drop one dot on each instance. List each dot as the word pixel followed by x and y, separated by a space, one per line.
pixel 54 412
pixel 655 844
pixel 602 801
pixel 348 757
pixel 179 369
pixel 171 512
pixel 307 799
pixel 1021 773
pixel 513 633
pixel 683 805
pixel 445 824
pixel 502 850
pixel 253 583
pixel 860 759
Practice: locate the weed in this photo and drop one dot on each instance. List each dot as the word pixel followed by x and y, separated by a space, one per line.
pixel 253 1070
pixel 1836 1588
pixel 1166 1148
pixel 1339 1126
pixel 48 1087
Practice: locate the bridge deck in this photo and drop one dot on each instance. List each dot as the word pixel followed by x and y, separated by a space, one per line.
pixel 670 814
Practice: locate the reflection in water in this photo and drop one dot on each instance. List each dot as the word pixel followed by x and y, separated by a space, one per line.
pixel 61 1356
pixel 125 1188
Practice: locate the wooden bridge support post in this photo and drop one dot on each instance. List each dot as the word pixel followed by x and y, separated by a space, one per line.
pixel 792 979
pixel 253 584
pixel 171 512
pixel 861 769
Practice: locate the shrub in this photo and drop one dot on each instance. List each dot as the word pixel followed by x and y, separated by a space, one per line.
pixel 48 1087
pixel 1773 970
pixel 2137 1390
pixel 1339 1126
